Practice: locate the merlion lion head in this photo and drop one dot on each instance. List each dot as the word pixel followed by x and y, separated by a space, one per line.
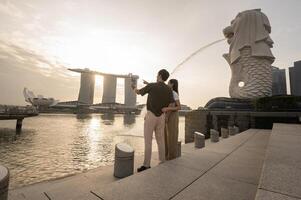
pixel 250 55
pixel 250 28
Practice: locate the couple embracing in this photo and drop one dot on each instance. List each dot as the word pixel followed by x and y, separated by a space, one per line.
pixel 161 117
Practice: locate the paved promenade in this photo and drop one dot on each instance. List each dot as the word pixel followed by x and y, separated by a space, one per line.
pixel 229 169
pixel 234 168
pixel 73 186
pixel 281 174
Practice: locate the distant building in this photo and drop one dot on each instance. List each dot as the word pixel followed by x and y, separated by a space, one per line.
pixel 87 82
pixel 295 78
pixel 279 82
pixel 39 100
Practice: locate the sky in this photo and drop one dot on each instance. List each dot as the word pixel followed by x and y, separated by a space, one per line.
pixel 41 39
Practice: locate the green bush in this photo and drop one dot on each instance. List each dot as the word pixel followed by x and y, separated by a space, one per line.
pixel 278 103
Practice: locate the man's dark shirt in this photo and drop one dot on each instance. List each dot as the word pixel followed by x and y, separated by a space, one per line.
pixel 159 96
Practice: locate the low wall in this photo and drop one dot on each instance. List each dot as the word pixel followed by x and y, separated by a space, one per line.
pixel 196 121
pixel 204 120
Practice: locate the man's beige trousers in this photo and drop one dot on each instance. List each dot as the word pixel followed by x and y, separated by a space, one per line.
pixel 151 124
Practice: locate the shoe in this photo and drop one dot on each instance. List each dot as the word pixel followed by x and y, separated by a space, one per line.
pixel 142 168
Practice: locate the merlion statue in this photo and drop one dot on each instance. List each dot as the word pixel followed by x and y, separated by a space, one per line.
pixel 250 55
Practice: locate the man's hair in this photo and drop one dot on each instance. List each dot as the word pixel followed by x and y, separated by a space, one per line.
pixel 164 74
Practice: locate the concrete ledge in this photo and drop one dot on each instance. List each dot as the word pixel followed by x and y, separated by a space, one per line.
pixel 281 172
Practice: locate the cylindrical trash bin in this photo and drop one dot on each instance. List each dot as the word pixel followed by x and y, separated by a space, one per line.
pixel 124 160
pixel 214 135
pixel 224 132
pixel 199 140
pixel 4 182
pixel 179 150
pixel 232 130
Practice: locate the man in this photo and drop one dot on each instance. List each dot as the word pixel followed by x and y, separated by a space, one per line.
pixel 159 96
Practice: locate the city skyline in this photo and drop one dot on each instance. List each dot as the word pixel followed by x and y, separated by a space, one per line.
pixel 40 40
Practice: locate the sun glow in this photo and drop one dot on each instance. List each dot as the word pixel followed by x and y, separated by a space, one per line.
pixel 106 51
pixel 94 136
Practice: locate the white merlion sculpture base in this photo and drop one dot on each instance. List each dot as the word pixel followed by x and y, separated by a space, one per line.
pixel 250 55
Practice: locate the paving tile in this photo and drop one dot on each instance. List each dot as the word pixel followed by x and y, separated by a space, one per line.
pixel 187 148
pixel 16 197
pixel 282 172
pixel 27 196
pixel 287 144
pixel 69 190
pixel 86 196
pixel 230 144
pixel 160 182
pixel 260 141
pixel 214 187
pixel 284 129
pixel 242 165
pixel 287 153
pixel 200 160
pixel 267 195
pixel 281 178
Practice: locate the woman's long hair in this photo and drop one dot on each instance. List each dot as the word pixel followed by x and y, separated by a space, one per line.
pixel 175 84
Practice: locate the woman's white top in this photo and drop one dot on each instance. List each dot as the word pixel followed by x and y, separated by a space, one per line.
pixel 175 96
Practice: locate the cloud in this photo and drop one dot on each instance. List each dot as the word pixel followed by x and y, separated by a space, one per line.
pixel 31 61
pixel 21 68
pixel 8 8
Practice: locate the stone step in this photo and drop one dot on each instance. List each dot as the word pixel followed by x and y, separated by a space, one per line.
pixel 281 174
pixel 229 169
pixel 236 176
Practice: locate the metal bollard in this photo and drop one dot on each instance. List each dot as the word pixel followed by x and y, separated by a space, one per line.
pixel 4 182
pixel 214 135
pixel 179 151
pixel 236 129
pixel 199 140
pixel 232 130
pixel 224 132
pixel 124 160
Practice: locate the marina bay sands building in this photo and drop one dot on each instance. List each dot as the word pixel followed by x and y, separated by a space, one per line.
pixel 87 83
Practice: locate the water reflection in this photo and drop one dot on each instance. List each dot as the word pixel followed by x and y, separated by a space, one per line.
pixel 108 118
pixel 7 135
pixel 129 119
pixel 83 116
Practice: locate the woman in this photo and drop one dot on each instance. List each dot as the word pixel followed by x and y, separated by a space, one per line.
pixel 172 123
